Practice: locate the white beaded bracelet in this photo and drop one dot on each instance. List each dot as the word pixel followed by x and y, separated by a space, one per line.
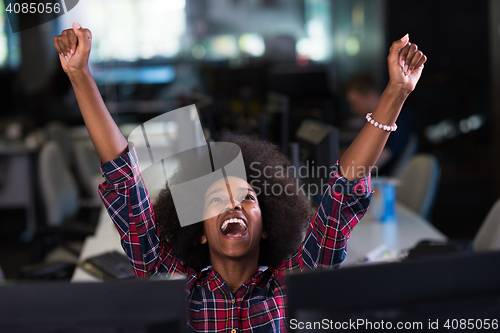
pixel 381 126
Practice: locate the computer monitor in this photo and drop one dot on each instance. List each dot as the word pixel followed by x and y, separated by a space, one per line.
pixel 420 295
pixel 127 306
pixel 319 151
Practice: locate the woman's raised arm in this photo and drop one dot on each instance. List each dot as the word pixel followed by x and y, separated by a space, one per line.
pixel 405 63
pixel 73 46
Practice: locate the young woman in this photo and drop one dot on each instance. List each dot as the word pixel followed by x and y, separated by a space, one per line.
pixel 235 261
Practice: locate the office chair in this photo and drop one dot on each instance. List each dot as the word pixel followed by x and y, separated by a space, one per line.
pixel 60 238
pixel 87 171
pixel 58 132
pixel 409 151
pixel 488 236
pixel 57 185
pixel 419 181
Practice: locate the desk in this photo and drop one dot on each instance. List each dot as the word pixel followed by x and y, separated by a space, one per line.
pixel 404 233
pixel 369 234
pixel 106 238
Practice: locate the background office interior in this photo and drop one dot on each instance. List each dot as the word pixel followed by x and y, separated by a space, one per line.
pixel 227 56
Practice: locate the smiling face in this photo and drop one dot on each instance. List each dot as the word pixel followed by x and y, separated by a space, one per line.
pixel 233 224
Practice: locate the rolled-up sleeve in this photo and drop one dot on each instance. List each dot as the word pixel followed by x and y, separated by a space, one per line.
pixel 342 206
pixel 128 204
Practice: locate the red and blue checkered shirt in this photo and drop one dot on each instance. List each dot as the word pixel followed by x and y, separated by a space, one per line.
pixel 259 305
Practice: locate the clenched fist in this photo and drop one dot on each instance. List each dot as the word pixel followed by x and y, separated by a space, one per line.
pixel 73 46
pixel 406 63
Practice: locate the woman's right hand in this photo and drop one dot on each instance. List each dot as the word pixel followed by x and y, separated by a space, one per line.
pixel 73 46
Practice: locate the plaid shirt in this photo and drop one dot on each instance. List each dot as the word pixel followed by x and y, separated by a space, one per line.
pixel 259 305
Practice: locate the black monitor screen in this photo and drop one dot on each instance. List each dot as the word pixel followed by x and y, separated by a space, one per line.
pixel 447 294
pixel 126 306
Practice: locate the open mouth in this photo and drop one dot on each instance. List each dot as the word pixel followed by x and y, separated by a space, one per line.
pixel 234 227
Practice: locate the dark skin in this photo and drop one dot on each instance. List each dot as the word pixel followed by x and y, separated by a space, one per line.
pixel 236 259
pixel 361 104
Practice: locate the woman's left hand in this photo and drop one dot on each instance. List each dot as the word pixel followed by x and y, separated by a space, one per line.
pixel 406 63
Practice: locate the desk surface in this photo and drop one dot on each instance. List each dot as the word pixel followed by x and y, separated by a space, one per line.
pixel 405 232
pixel 106 238
pixel 368 235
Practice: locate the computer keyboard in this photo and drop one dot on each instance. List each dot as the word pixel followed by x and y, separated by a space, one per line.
pixel 110 265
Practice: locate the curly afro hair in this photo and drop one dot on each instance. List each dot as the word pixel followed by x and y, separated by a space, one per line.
pixel 285 215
